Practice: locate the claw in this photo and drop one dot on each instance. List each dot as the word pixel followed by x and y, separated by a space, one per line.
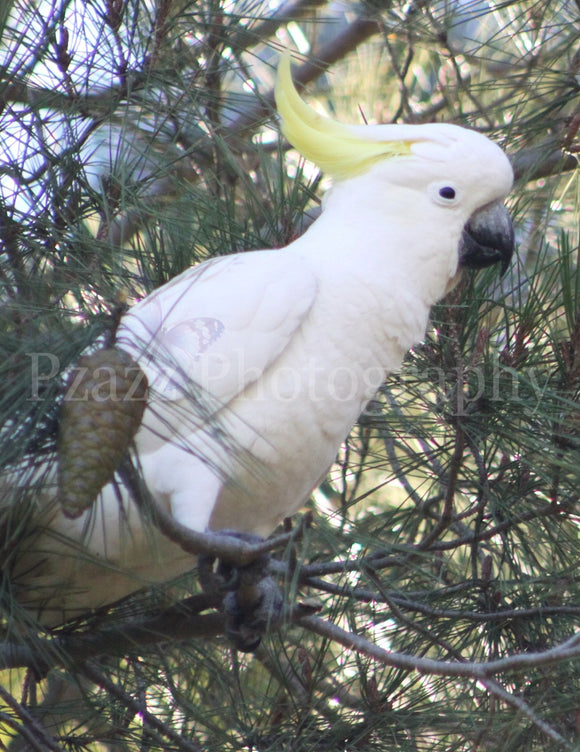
pixel 250 597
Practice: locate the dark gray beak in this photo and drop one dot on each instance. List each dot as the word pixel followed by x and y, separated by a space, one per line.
pixel 488 238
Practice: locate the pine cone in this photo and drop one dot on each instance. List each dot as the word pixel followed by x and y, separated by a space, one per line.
pixel 102 409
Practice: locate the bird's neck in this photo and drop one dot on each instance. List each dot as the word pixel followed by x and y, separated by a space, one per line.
pixel 381 241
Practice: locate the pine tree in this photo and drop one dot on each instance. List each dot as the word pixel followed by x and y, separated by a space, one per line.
pixel 432 602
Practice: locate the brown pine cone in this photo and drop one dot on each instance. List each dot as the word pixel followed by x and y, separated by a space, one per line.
pixel 102 409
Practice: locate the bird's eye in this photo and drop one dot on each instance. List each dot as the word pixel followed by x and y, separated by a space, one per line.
pixel 447 192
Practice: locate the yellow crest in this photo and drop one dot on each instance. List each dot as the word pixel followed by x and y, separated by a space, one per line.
pixel 339 150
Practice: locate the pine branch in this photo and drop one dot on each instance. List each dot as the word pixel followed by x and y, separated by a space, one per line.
pixel 474 671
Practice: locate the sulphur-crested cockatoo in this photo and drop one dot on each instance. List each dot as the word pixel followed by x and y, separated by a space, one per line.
pixel 259 363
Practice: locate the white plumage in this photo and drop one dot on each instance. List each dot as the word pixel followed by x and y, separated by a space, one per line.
pixel 260 363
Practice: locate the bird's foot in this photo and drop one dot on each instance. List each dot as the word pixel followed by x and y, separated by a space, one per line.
pixel 250 597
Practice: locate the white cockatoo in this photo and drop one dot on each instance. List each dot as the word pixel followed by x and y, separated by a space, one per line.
pixel 259 363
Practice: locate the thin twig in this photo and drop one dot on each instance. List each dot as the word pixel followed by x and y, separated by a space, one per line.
pixel 492 685
pixel 566 651
pixel 157 729
pixel 33 732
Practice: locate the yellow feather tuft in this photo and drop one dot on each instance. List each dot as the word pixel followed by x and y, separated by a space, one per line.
pixel 337 149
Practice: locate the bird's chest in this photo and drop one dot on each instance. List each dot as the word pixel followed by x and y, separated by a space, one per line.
pixel 293 419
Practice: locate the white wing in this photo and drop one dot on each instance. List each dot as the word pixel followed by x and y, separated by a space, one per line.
pixel 216 328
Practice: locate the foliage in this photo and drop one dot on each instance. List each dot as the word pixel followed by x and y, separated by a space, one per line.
pixel 137 138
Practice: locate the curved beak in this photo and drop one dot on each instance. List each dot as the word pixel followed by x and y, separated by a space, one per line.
pixel 488 238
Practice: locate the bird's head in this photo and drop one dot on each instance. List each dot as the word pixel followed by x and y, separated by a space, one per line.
pixel 454 175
